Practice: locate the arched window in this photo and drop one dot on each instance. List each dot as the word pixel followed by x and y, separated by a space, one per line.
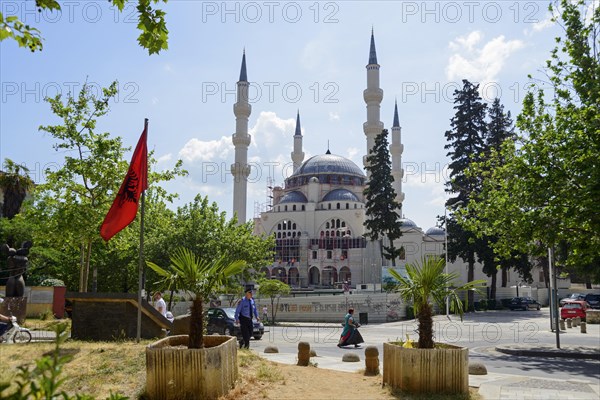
pixel 329 206
pixel 347 206
pixel 294 207
pixel 302 207
pixel 338 206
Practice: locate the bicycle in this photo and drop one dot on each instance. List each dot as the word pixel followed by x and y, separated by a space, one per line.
pixel 16 333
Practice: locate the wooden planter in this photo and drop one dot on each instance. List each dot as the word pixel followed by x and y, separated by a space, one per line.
pixel 439 370
pixel 175 372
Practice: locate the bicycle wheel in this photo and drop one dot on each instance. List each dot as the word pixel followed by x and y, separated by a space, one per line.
pixel 22 337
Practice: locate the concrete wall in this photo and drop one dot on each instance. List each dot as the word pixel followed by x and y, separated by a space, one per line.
pixel 113 316
pixel 377 307
pixel 39 299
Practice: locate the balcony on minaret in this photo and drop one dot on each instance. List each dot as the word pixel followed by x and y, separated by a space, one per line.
pixel 242 109
pixel 397 148
pixel 373 95
pixel 241 139
pixel 240 171
pixel 373 127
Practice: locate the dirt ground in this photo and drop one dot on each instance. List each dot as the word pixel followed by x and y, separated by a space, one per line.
pixel 262 379
pixel 312 383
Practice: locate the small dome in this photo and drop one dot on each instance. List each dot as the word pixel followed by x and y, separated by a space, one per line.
pixel 293 197
pixel 435 231
pixel 407 223
pixel 340 195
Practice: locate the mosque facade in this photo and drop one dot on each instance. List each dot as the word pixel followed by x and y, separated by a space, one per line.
pixel 317 217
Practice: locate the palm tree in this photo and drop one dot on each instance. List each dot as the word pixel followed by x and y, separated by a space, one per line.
pixel 427 281
pixel 201 278
pixel 14 183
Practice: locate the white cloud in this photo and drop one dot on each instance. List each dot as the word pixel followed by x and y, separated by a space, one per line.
pixel 165 158
pixel 270 130
pixel 333 116
pixel 543 24
pixel 318 54
pixel 211 150
pixel 479 63
pixel 154 101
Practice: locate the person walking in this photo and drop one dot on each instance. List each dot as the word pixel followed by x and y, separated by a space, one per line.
pixel 350 334
pixel 244 311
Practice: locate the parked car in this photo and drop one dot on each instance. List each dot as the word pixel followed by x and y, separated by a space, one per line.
pixel 572 297
pixel 523 303
pixel 574 308
pixel 221 320
pixel 593 300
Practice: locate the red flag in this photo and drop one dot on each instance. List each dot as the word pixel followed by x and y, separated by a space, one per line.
pixel 125 206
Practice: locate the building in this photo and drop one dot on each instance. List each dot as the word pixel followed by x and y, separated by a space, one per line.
pixel 318 216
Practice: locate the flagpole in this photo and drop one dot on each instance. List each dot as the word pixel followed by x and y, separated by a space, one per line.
pixel 141 260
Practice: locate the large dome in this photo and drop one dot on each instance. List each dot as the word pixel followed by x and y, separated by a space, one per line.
pixel 328 164
pixel 327 169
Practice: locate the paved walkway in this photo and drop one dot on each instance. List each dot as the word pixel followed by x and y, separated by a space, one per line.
pixel 492 386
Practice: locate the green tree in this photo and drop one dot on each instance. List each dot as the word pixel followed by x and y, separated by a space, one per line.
pixel 151 22
pixel 76 197
pixel 200 277
pixel 427 282
pixel 204 229
pixel 15 183
pixel 273 289
pixel 381 205
pixel 546 194
pixel 466 146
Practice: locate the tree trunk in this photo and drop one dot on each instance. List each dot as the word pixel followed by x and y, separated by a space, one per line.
pixel 82 271
pixel 494 283
pixel 545 270
pixel 88 256
pixel 425 327
pixel 470 278
pixel 196 325
pixel 504 276
pixel 273 311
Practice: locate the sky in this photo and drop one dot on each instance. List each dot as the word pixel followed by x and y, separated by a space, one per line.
pixel 301 56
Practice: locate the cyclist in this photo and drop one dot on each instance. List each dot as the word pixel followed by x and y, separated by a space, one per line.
pixel 4 326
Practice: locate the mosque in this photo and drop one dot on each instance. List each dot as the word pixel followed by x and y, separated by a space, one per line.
pixel 318 216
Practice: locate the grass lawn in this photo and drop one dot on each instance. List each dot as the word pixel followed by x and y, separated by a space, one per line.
pixel 99 368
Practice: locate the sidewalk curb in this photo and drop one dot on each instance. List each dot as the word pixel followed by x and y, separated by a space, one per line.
pixel 549 353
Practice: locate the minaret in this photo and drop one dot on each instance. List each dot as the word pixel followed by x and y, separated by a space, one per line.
pixel 373 96
pixel 297 154
pixel 396 149
pixel 241 140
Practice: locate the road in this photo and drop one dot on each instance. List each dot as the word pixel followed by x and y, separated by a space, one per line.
pixel 481 332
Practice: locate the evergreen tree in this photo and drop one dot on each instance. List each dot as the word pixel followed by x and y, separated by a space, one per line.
pixel 466 146
pixel 381 205
pixel 546 193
